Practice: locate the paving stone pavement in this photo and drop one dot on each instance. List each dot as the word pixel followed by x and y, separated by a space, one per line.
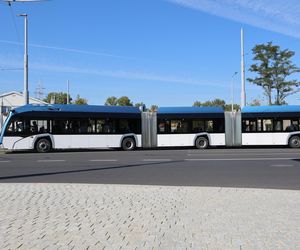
pixel 83 216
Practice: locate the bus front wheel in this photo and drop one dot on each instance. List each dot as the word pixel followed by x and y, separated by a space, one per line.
pixel 294 142
pixel 43 145
pixel 201 143
pixel 128 144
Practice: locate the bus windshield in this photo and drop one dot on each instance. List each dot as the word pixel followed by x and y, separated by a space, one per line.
pixel 5 126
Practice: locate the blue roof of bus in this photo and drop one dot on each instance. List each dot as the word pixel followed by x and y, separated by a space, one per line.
pixel 77 108
pixel 272 109
pixel 189 110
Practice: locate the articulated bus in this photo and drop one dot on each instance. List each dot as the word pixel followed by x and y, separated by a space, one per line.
pixel 47 127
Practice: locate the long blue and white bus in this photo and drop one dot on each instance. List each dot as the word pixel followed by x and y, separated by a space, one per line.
pixel 46 127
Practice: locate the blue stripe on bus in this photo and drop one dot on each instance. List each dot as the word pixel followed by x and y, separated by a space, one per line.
pixel 272 109
pixel 189 110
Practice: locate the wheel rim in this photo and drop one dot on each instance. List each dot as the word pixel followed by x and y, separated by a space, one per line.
pixel 202 143
pixel 43 146
pixel 128 144
pixel 296 142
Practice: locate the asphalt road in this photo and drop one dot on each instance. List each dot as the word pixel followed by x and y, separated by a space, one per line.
pixel 277 168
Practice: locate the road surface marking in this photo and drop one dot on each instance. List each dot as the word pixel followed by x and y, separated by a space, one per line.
pixel 4 161
pixel 282 165
pixel 51 160
pixel 157 160
pixel 241 159
pixel 103 160
pixel 201 154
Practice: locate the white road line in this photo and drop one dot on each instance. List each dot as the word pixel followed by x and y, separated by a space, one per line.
pixel 103 160
pixel 241 159
pixel 4 161
pixel 282 165
pixel 283 153
pixel 51 160
pixel 158 160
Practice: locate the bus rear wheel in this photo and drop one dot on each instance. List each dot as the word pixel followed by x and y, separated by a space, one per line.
pixel 294 142
pixel 128 144
pixel 201 143
pixel 43 146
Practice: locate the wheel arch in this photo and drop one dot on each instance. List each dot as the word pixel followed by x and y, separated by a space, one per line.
pixel 297 133
pixel 43 136
pixel 133 136
pixel 206 135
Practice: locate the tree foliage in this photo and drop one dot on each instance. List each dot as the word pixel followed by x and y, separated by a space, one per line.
pixel 114 101
pixel 273 67
pixel 216 103
pixel 57 98
pixel 111 101
pixel 153 108
pixel 80 101
pixel 124 101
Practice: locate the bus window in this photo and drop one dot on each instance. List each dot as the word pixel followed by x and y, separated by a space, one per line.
pixel 259 126
pixel 16 127
pixel 179 126
pixel 267 125
pixel 277 125
pixel 295 125
pixel 209 125
pixel 198 126
pixel 218 126
pixel 286 125
pixel 124 126
pixel 175 125
pixel 38 126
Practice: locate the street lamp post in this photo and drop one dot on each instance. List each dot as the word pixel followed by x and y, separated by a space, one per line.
pixel 232 113
pixel 25 92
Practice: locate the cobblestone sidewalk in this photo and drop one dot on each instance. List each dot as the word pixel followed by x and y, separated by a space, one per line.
pixel 79 216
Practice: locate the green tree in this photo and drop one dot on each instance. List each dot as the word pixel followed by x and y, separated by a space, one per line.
pixel 57 98
pixel 124 101
pixel 80 101
pixel 197 104
pixel 216 103
pixel 111 101
pixel 153 108
pixel 274 66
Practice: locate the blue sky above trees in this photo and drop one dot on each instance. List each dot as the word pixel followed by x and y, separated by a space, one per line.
pixel 165 52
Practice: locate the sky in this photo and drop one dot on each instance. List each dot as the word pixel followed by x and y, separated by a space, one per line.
pixel 162 52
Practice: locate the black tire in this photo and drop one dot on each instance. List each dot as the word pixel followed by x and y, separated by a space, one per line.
pixel 43 145
pixel 294 141
pixel 201 143
pixel 128 144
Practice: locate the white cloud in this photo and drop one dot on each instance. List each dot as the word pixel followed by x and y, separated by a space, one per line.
pixel 68 50
pixel 274 15
pixel 123 74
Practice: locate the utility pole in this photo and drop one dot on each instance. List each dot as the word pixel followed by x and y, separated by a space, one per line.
pixel 243 91
pixel 25 92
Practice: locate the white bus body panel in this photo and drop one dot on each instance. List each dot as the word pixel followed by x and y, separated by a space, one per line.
pixel 265 138
pixel 188 140
pixel 69 141
pixel 17 143
pixel 91 141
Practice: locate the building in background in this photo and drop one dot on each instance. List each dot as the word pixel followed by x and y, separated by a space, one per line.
pixel 12 100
